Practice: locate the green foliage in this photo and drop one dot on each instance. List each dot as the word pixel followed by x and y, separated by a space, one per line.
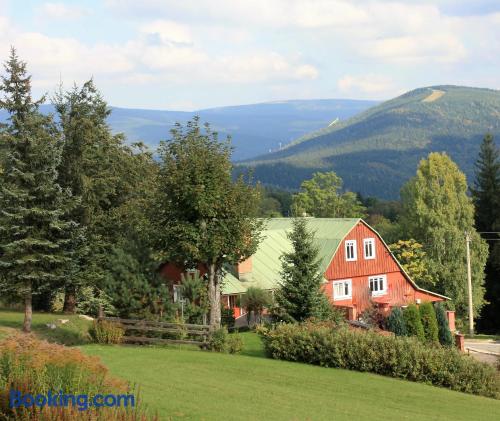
pixel 320 197
pixel 445 336
pixel 254 302
pixel 486 196
pixel 373 317
pixel 414 261
pixel 90 299
pixel 103 332
pixel 35 236
pixel 429 322
pixel 221 341
pixel 413 322
pixel 227 317
pixel 437 212
pixel 300 296
pixel 201 215
pixel 396 322
pixel 399 357
pixel 391 232
pixel 194 292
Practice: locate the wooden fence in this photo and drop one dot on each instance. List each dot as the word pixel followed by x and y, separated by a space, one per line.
pixel 151 332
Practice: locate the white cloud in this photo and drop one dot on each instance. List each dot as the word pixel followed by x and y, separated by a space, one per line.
pixel 62 11
pixel 365 84
pixel 168 31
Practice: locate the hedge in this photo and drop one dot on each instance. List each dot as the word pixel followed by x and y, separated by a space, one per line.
pixel 400 357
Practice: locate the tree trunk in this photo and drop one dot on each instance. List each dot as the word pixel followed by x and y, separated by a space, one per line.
pixel 69 306
pixel 28 308
pixel 214 297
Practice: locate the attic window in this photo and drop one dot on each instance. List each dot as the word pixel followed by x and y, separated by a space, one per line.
pixel 350 250
pixel 342 289
pixel 378 285
pixel 369 248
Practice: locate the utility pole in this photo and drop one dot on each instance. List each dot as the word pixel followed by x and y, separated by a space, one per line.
pixel 469 285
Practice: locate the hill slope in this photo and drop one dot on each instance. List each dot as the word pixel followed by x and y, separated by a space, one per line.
pixel 376 151
pixel 255 129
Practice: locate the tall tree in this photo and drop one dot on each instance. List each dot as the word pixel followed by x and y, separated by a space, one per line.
pixel 437 213
pixel 320 197
pixel 300 296
pixel 486 196
pixel 203 216
pixel 414 261
pixel 33 231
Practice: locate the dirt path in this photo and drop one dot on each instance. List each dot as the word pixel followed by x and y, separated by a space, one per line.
pixel 434 96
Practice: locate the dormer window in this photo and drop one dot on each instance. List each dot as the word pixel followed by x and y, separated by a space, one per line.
pixel 350 250
pixel 369 248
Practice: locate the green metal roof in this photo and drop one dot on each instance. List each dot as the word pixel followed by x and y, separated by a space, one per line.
pixel 328 233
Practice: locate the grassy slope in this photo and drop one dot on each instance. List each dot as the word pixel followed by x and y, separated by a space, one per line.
pixel 179 383
pixel 195 385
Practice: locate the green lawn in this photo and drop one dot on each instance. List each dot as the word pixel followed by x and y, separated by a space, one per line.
pixel 188 384
pixel 72 333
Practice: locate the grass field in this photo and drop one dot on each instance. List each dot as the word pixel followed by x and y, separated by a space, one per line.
pixel 189 384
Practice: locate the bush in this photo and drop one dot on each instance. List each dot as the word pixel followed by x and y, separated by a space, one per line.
pixel 396 322
pixel 222 341
pixel 103 332
pixel 413 322
pixel 227 317
pixel 401 357
pixel 31 366
pixel 429 322
pixel 444 333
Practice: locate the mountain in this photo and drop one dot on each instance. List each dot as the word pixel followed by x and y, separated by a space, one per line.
pixel 376 151
pixel 255 129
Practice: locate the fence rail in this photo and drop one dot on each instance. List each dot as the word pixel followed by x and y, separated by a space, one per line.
pixel 140 331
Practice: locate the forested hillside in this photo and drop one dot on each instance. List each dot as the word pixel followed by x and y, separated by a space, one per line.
pixel 376 151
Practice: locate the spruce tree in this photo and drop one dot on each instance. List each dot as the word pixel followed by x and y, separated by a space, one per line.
pixel 34 234
pixel 396 322
pixel 300 296
pixel 486 196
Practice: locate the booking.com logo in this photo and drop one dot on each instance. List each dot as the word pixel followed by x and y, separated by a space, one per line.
pixel 64 400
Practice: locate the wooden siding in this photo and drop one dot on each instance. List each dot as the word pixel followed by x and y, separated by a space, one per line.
pixel 399 290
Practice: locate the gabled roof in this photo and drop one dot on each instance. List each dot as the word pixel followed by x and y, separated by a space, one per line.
pixel 266 262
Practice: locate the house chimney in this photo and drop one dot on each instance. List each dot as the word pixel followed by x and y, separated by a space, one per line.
pixel 244 268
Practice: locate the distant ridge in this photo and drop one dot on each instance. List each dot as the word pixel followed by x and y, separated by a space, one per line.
pixel 376 151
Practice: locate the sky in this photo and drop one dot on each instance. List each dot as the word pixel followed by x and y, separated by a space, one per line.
pixel 193 54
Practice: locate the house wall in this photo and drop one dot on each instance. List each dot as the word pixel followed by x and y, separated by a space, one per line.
pixel 399 290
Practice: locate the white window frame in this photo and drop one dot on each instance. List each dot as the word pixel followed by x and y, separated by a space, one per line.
pixel 344 296
pixel 355 250
pixel 177 293
pixel 371 241
pixel 376 279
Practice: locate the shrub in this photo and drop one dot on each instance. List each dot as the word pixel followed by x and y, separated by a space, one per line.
pixel 413 322
pixel 429 322
pixel 31 366
pixel 227 317
pixel 396 322
pixel 222 341
pixel 401 357
pixel 444 333
pixel 373 317
pixel 104 332
pixel 254 301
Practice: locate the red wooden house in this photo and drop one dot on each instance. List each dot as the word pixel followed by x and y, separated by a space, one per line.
pixel 357 265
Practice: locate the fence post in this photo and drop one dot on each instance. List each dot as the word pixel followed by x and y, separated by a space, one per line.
pixel 100 315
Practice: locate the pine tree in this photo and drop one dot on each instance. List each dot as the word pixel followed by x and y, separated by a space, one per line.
pixel 445 337
pixel 486 196
pixel 34 234
pixel 429 322
pixel 300 296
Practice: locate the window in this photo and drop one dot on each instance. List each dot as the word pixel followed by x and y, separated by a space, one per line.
pixel 369 248
pixel 177 293
pixel 350 250
pixel 378 284
pixel 232 301
pixel 342 289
